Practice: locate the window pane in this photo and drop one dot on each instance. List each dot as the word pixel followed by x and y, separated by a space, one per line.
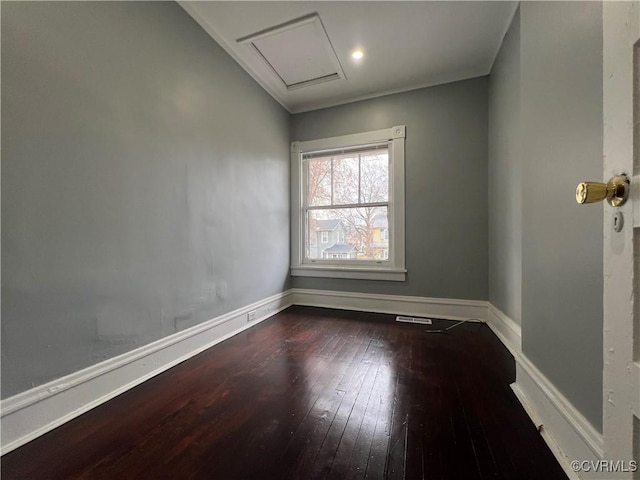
pixel 319 181
pixel 360 176
pixel 348 233
pixel 346 177
pixel 374 174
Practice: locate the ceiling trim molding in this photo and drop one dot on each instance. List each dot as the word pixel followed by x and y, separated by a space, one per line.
pixel 329 104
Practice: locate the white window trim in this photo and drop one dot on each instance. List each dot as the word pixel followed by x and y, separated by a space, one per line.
pixel 393 269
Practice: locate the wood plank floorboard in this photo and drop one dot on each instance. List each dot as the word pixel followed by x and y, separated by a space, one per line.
pixel 311 393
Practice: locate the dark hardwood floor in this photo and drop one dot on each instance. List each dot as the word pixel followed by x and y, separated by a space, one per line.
pixel 311 393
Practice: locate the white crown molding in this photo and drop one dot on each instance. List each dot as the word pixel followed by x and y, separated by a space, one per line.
pixel 35 412
pixel 330 103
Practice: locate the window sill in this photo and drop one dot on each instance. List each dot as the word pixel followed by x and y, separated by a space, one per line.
pixel 358 273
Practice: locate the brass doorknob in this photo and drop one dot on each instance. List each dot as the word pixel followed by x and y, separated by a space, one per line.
pixel 615 191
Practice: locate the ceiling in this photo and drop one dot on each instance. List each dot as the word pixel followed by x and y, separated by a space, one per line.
pixel 300 51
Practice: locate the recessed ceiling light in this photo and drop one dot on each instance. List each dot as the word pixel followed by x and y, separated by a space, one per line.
pixel 357 54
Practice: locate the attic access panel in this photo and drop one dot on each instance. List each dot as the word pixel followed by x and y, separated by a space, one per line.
pixel 299 52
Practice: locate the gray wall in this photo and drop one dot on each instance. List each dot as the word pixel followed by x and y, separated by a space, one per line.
pixel 446 152
pixel 556 111
pixel 562 241
pixel 505 177
pixel 145 183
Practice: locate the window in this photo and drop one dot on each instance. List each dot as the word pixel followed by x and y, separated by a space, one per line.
pixel 353 185
pixel 325 237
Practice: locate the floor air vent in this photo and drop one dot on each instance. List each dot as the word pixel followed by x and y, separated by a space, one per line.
pixel 424 321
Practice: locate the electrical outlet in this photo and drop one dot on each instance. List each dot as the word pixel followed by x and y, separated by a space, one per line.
pixel 251 316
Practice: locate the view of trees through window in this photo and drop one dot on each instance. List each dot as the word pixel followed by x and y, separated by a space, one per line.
pixel 347 202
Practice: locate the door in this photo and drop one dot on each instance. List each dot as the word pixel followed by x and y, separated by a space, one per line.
pixel 621 123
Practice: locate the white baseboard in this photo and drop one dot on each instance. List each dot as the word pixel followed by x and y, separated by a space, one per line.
pixel 30 414
pixel 34 412
pixel 447 308
pixel 508 331
pixel 569 435
pixel 570 429
pixel 39 410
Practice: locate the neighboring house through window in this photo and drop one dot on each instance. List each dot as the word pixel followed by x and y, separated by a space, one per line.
pixel 348 206
pixel 380 237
